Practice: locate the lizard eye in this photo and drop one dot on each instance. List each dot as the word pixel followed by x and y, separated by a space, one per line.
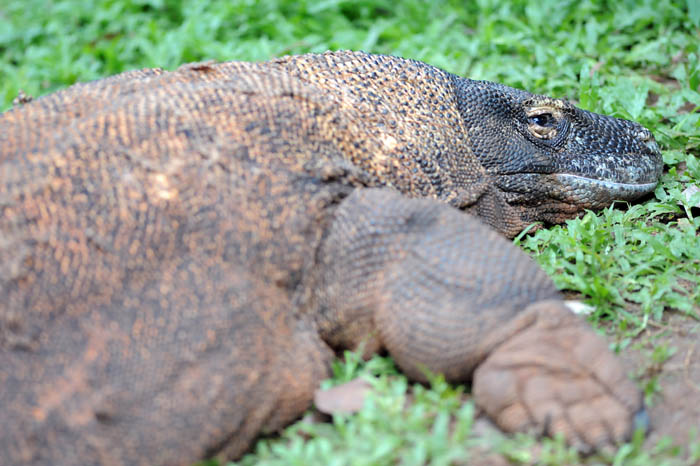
pixel 542 123
pixel 543 119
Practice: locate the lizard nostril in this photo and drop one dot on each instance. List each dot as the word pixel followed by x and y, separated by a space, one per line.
pixel 644 135
pixel 653 146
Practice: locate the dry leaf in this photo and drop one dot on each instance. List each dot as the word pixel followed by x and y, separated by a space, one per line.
pixel 689 192
pixel 346 398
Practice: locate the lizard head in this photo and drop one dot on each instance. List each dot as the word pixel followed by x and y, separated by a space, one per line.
pixel 551 160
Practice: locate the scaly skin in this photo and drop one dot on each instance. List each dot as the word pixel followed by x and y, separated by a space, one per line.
pixel 181 252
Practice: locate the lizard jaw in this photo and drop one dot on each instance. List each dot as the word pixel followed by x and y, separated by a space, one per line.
pixel 600 193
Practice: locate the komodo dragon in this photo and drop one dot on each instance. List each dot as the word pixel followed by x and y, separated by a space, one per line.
pixel 181 252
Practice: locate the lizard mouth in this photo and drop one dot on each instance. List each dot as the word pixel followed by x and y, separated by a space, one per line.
pixel 600 193
pixel 572 190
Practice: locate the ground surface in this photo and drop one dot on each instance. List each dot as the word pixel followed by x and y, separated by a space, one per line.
pixel 676 409
pixel 638 265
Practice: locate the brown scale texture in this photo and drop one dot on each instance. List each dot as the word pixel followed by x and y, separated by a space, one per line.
pixel 180 252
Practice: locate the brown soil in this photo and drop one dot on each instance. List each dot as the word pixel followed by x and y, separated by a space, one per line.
pixel 675 407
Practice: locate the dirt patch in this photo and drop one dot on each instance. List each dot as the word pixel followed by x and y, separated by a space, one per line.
pixel 675 405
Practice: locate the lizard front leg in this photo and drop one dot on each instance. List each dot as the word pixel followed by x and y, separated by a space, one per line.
pixel 446 294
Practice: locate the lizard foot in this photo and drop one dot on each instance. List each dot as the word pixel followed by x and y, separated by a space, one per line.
pixel 556 376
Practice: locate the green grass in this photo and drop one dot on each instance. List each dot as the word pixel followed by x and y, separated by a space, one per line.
pixel 399 422
pixel 409 424
pixel 632 59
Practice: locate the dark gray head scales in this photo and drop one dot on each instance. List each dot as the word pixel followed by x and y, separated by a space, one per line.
pixel 550 147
